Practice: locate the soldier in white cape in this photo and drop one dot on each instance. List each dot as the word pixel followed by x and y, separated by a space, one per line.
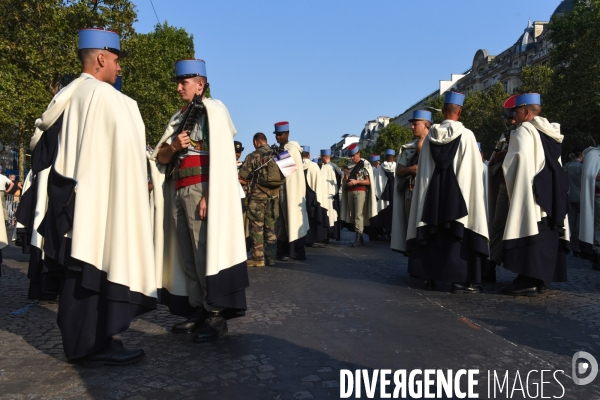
pixel 536 237
pixel 88 207
pixel 333 178
pixel 292 224
pixel 447 236
pixel 199 228
pixel 359 203
pixel 589 219
pixel 406 171
pixel 316 201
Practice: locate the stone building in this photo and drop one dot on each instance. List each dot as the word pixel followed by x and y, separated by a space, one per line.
pixel 339 149
pixel 531 48
pixel 370 133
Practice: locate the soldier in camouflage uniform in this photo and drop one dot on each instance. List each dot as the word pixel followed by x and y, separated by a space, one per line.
pixel 263 205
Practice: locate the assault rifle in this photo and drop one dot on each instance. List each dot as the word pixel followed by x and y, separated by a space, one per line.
pixel 193 111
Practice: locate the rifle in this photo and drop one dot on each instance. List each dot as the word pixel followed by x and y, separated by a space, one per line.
pixel 354 173
pixel 193 111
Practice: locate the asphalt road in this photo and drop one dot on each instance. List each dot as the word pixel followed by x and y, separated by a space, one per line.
pixel 343 308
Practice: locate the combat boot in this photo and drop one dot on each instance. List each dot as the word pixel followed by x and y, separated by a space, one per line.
pixel 596 262
pixel 255 263
pixel 357 240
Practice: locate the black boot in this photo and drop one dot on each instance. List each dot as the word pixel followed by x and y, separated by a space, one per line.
pixel 362 240
pixel 115 354
pixel 429 284
pixel 194 321
pixel 214 328
pixel 596 262
pixel 522 286
pixel 488 272
pixel 357 240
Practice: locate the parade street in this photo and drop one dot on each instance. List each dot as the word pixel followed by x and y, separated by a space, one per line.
pixel 343 308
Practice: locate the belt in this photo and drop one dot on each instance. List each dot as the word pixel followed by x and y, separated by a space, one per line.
pixel 358 189
pixel 190 171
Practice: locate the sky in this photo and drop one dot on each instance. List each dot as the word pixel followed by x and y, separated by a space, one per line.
pixel 329 66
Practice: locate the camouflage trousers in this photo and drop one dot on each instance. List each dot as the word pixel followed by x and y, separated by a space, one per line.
pixel 262 215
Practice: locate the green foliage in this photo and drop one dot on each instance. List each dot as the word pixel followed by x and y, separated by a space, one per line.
pixel 391 137
pixel 536 79
pixel 575 59
pixel 36 59
pixel 147 73
pixel 482 113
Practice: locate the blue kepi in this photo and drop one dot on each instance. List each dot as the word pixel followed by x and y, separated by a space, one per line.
pixel 421 115
pixel 96 38
pixel 189 69
pixel 454 98
pixel 281 127
pixel 528 99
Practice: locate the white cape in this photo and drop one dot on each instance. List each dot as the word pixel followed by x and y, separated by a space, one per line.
pixel 591 168
pixel 295 191
pixel 225 245
pixel 380 179
pixel 370 208
pixel 331 189
pixel 524 160
pixel 315 181
pixel 468 169
pixel 399 216
pixel 105 155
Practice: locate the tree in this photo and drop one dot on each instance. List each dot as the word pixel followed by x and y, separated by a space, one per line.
pixel 391 137
pixel 38 51
pixel 536 79
pixel 147 74
pixel 482 113
pixel 575 60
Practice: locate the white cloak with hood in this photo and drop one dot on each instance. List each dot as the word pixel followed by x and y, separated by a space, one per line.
pixel 295 192
pixel 225 247
pixel 399 220
pixel 105 155
pixel 591 169
pixel 380 179
pixel 468 169
pixel 331 190
pixel 315 181
pixel 524 160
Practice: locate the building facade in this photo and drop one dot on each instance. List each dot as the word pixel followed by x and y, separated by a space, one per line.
pixel 371 131
pixel 339 149
pixel 531 48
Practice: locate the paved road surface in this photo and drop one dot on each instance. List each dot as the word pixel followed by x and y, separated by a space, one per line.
pixel 343 308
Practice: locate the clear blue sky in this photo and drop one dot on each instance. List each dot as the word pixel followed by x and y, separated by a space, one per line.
pixel 329 66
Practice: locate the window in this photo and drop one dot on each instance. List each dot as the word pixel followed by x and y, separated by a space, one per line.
pixel 505 85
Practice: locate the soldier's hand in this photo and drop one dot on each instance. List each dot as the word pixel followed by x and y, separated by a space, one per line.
pixel 413 169
pixel 181 142
pixel 352 182
pixel 500 156
pixel 203 207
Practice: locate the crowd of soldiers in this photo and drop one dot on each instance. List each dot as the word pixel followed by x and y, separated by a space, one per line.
pixel 455 215
pixel 100 255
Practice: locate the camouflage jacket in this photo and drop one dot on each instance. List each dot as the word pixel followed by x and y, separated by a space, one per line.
pixel 252 162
